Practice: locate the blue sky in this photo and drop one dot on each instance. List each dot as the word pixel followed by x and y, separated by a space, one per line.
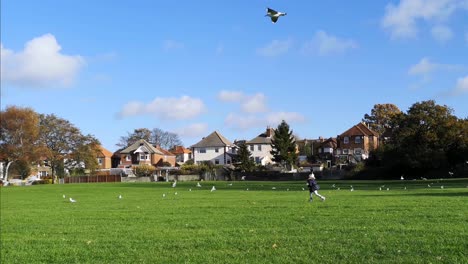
pixel 192 67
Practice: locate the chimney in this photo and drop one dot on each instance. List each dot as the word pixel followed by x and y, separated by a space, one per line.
pixel 268 131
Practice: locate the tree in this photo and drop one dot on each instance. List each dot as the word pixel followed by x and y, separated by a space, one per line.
pixel 65 146
pixel 284 146
pixel 425 138
pixel 164 139
pixel 382 117
pixel 19 136
pixel 140 133
pixel 84 155
pixel 244 158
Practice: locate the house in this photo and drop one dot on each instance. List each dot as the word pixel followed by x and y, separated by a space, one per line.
pixel 326 148
pixel 260 147
pixel 182 154
pixel 166 157
pixel 356 143
pixel 142 152
pixel 215 148
pixel 104 158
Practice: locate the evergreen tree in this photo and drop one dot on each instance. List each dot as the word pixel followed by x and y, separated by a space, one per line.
pixel 244 158
pixel 284 146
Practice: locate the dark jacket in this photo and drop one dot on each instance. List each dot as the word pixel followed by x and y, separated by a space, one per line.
pixel 313 186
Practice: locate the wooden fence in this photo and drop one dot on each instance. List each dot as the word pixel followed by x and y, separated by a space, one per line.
pixel 92 179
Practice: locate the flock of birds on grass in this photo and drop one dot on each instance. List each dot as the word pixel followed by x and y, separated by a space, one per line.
pixel 333 186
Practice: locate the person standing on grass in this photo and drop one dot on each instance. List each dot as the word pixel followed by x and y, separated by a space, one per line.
pixel 313 187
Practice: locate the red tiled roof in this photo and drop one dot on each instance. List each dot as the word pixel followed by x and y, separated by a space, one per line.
pixel 180 150
pixel 106 153
pixel 359 130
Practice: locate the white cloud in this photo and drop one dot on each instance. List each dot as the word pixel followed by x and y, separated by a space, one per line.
pixel 461 86
pixel 325 44
pixel 290 117
pixel 170 44
pixel 441 33
pixel 425 67
pixel 40 64
pixel 193 130
pixel 401 20
pixel 181 108
pixel 275 48
pixel 254 104
pixel 230 96
pixel 248 103
pixel 243 122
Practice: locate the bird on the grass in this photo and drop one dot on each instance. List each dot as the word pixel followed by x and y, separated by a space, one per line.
pixel 164 195
pixel 120 196
pixel 72 200
pixel 213 189
pixel 274 15
pixel 402 178
pixel 198 184
pixel 174 184
pixel 64 196
pixel 442 187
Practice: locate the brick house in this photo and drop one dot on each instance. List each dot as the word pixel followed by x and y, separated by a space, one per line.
pixel 356 143
pixel 142 152
pixel 182 154
pixel 104 157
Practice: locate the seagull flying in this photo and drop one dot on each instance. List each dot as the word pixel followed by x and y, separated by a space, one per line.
pixel 72 201
pixel 274 15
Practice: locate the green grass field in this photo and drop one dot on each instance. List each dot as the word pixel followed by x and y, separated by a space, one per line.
pixel 234 225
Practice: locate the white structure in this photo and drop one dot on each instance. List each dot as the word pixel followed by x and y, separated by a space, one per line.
pixel 215 148
pixel 260 147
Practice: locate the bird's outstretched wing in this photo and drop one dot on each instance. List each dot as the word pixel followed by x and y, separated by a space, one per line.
pixel 274 19
pixel 271 11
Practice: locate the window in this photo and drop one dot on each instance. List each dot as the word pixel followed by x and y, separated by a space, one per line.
pixel 357 140
pixel 99 160
pixel 128 158
pixel 259 148
pixel 202 150
pixel 228 161
pixel 143 157
pixel 257 160
pixel 252 147
pixel 345 151
pixel 216 161
pixel 357 151
pixel 346 140
pixel 216 150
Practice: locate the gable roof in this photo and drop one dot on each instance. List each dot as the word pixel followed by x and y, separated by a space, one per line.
pixel 144 145
pixel 263 138
pixel 165 152
pixel 359 130
pixel 180 150
pixel 214 139
pixel 104 152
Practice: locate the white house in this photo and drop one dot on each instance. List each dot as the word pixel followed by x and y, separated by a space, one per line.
pixel 215 148
pixel 260 147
